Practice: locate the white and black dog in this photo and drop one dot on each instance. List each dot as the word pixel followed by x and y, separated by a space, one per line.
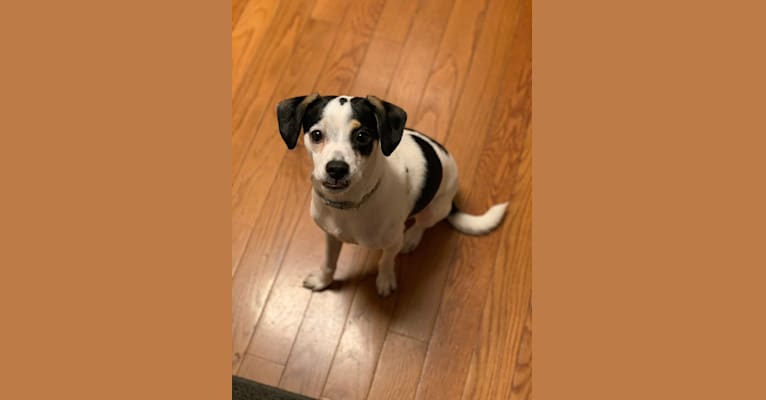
pixel 365 195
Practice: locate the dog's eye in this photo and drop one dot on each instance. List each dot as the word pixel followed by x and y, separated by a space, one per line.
pixel 362 137
pixel 316 136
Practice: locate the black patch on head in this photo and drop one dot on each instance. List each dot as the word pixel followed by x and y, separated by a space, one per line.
pixel 342 100
pixel 389 121
pixel 314 112
pixel 299 111
pixel 432 140
pixel 362 111
pixel 433 175
pixel 290 113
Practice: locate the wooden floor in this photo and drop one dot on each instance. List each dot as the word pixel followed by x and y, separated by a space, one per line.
pixel 460 324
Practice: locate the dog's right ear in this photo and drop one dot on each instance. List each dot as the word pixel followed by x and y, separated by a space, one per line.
pixel 290 117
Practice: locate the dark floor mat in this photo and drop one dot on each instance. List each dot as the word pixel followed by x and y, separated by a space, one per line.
pixel 245 389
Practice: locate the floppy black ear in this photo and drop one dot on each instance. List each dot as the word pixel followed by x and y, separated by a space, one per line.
pixel 290 116
pixel 391 120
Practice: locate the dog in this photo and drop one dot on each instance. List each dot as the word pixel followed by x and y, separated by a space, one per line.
pixel 371 176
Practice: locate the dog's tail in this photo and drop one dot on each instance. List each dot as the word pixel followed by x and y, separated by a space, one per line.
pixel 477 224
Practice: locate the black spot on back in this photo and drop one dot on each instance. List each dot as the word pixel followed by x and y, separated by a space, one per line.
pixel 433 175
pixel 432 140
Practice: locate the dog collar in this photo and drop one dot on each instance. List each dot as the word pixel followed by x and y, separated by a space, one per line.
pixel 347 205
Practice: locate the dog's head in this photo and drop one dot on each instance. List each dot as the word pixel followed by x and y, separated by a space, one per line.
pixel 342 134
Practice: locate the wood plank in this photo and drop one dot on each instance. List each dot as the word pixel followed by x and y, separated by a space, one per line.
pixel 419 52
pixel 446 364
pixel 357 355
pixel 260 370
pixel 469 389
pixel 399 368
pixel 521 384
pixel 330 10
pixel 253 280
pixel 378 67
pixel 237 7
pixel 259 72
pixel 350 47
pixel 503 334
pixel 312 353
pixel 253 22
pixel 287 303
pixel 521 374
pixel 503 322
pixel 450 68
pixel 396 20
pixel 421 290
pixel 267 149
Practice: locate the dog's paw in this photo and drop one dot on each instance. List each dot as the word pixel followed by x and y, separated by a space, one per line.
pixel 411 240
pixel 386 284
pixel 409 246
pixel 317 281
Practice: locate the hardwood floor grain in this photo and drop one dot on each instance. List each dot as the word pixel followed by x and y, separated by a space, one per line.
pixel 398 370
pixel 237 7
pixel 521 384
pixel 263 255
pixel 330 10
pixel 260 370
pixel 359 347
pixel 459 324
pixel 396 20
pixel 450 67
pixel 317 340
pixel 283 314
pixel 418 53
pixel 246 38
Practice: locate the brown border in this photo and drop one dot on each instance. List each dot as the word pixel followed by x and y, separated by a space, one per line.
pixel 115 258
pixel 648 200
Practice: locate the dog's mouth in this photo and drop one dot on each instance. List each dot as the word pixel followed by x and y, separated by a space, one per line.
pixel 335 185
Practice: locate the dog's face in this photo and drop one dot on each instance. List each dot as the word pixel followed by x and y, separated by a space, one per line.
pixel 342 134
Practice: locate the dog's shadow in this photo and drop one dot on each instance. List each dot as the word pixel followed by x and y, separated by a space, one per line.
pixel 415 272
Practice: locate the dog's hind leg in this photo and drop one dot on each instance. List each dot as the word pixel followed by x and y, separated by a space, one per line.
pixel 412 237
pixel 435 212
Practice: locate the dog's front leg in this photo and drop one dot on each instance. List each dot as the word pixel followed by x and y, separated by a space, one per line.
pixel 321 279
pixel 386 280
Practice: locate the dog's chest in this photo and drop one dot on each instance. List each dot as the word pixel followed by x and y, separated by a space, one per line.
pixel 354 226
pixel 347 229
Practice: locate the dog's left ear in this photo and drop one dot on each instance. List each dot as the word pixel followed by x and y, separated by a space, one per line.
pixel 290 117
pixel 391 120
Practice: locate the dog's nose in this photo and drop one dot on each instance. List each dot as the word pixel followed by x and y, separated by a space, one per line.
pixel 337 169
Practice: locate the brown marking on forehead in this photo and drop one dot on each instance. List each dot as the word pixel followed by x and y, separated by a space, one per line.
pixel 354 124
